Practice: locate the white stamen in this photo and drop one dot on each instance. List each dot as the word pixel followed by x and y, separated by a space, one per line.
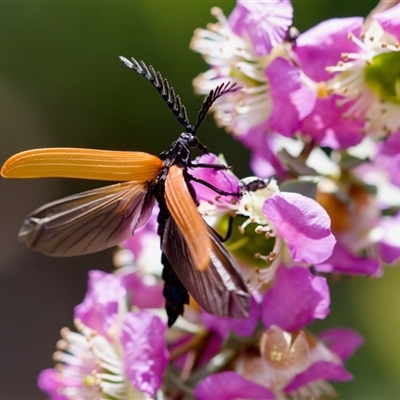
pixel 380 120
pixel 233 56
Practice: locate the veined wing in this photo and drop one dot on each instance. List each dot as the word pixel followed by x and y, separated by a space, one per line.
pixel 219 289
pixel 90 221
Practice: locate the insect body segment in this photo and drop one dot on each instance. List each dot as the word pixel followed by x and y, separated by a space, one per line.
pixel 193 256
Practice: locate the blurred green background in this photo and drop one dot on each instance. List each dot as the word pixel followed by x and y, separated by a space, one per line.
pixel 62 84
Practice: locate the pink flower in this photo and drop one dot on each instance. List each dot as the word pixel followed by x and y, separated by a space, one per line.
pixel 116 353
pixel 365 238
pixel 100 307
pixel 251 48
pixel 316 49
pixel 362 85
pixel 294 364
pixel 273 228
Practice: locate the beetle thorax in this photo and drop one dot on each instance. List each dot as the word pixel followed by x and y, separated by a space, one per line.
pixel 179 151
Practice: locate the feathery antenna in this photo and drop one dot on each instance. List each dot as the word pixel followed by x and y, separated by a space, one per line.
pixel 226 87
pixel 172 99
pixel 161 84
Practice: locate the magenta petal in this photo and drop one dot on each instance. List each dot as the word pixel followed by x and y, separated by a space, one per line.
pixel 261 167
pixel 390 20
pixel 264 149
pixel 265 22
pixel 389 245
pixel 100 305
pixel 390 146
pixel 322 370
pixel 48 382
pixel 143 294
pixel 389 251
pixel 388 157
pixel 295 300
pixel 242 327
pixel 344 262
pixel 342 341
pixel 323 45
pixel 303 224
pixel 145 350
pixel 327 126
pixel 255 137
pixel 230 386
pixel 288 94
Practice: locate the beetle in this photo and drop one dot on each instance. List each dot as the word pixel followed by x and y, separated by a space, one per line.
pixel 195 260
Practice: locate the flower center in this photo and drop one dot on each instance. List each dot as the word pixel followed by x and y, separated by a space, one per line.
pixel 246 245
pixel 383 76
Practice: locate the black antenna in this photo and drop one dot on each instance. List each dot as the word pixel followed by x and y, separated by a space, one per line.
pixel 220 90
pixel 162 86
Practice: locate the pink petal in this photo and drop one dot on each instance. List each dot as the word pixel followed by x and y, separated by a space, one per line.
pixel 303 224
pixel 100 305
pixel 263 144
pixel 327 126
pixel 322 45
pixel 49 382
pixel 295 300
pixel 390 20
pixel 388 157
pixel 288 94
pixel 230 386
pixel 389 246
pixel 143 294
pixel 347 263
pixel 342 341
pixel 145 350
pixel 322 370
pixel 261 167
pixel 265 22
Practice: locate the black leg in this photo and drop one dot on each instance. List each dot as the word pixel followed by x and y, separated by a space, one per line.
pixel 217 167
pixel 216 190
pixel 228 232
pixel 203 148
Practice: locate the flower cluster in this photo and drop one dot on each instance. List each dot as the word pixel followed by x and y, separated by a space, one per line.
pixel 119 352
pixel 329 114
pixel 320 113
